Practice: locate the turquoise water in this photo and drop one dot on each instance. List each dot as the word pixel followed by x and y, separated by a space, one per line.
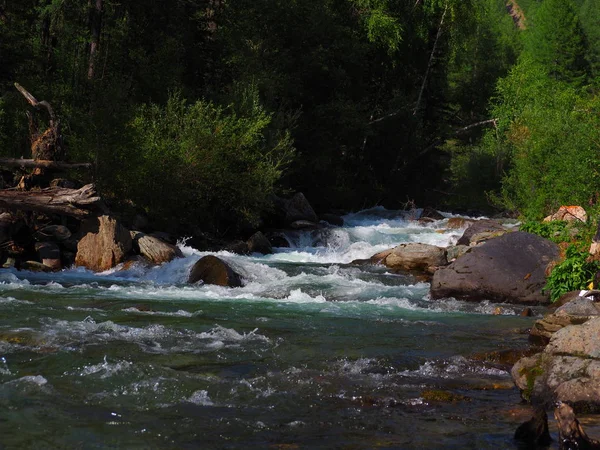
pixel 311 352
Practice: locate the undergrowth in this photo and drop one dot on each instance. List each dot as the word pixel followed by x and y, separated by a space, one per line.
pixel 574 273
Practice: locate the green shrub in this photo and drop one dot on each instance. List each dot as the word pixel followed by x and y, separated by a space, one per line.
pixel 556 231
pixel 208 166
pixel 572 274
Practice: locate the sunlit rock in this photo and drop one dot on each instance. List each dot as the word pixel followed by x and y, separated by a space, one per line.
pixel 153 249
pixel 416 257
pixel 568 214
pixel 567 370
pixel 105 244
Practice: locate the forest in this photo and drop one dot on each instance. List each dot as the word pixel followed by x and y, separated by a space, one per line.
pixel 198 111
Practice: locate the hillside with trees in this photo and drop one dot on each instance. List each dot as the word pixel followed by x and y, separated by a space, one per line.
pixel 197 111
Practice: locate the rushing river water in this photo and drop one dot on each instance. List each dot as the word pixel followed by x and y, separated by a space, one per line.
pixel 311 353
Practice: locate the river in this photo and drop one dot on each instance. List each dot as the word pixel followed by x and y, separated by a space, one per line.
pixel 311 352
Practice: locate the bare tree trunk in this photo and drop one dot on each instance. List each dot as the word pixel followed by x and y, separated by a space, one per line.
pixel 47 145
pixel 96 11
pixel 431 60
pixel 78 203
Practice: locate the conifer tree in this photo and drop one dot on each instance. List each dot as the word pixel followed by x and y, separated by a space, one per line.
pixel 556 41
pixel 590 20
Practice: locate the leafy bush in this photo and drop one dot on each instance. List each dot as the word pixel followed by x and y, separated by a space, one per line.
pixel 556 231
pixel 551 130
pixel 207 165
pixel 572 274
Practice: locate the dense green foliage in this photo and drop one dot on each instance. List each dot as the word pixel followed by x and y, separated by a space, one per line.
pixel 223 162
pixel 353 102
pixel 557 231
pixel 574 273
pixel 545 143
pixel 366 91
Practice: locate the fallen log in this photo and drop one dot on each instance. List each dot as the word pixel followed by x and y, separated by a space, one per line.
pixel 79 203
pixel 46 164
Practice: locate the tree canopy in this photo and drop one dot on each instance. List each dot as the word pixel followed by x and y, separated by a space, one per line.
pixel 353 102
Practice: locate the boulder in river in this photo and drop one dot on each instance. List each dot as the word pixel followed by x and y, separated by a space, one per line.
pixel 288 211
pixel 454 223
pixel 105 244
pixel 258 243
pixel 510 268
pixel 567 370
pixel 481 230
pixel 416 257
pixel 153 249
pixel 579 309
pixel 212 270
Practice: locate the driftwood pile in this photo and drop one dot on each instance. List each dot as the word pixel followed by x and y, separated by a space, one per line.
pixel 47 223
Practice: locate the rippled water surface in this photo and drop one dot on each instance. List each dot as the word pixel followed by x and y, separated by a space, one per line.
pixel 311 352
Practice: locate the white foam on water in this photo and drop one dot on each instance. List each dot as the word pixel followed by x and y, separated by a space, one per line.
pixel 179 313
pixel 455 367
pixel 12 300
pixel 104 369
pixel 200 398
pixel 151 339
pixel 357 366
pixel 31 380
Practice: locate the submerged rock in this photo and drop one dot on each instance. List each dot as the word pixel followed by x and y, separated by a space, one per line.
pixel 212 270
pixel 105 244
pixel 509 269
pixel 439 396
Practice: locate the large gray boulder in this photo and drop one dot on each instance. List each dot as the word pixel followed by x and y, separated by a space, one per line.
pixel 510 268
pixel 567 370
pixel 105 244
pixel 212 270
